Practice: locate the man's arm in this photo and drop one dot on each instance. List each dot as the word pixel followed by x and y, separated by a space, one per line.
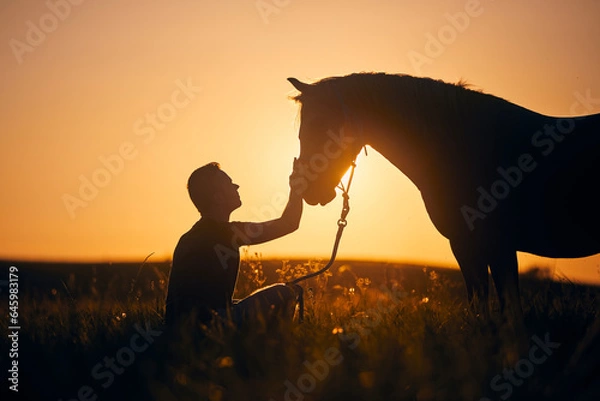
pixel 256 233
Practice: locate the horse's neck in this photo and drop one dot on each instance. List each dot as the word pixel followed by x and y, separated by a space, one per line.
pixel 411 141
pixel 425 139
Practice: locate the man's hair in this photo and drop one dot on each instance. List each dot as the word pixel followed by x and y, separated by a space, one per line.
pixel 201 185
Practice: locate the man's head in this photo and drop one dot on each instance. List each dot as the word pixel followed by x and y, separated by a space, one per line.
pixel 211 189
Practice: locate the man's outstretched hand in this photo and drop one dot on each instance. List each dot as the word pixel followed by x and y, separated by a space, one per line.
pixel 297 180
pixel 287 223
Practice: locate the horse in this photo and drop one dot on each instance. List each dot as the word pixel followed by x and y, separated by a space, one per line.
pixel 496 178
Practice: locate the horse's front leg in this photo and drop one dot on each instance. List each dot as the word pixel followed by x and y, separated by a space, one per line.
pixel 474 268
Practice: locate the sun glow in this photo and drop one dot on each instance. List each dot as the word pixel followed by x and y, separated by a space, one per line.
pixel 345 181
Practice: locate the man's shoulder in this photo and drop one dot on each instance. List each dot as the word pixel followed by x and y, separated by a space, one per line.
pixel 207 229
pixel 203 233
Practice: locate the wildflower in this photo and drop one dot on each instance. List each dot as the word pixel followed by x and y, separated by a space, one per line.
pixel 225 362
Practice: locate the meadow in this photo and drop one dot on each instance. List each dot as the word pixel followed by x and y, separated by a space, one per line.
pixel 371 331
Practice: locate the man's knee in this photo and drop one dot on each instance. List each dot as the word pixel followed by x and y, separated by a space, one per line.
pixel 279 299
pixel 285 293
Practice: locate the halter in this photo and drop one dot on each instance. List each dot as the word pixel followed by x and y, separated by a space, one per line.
pixel 342 222
pixel 348 117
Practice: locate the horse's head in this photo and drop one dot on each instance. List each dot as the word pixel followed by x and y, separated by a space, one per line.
pixel 329 140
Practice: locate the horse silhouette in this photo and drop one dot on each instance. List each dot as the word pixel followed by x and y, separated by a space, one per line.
pixel 495 177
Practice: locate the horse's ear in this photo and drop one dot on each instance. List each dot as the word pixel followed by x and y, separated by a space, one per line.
pixel 301 86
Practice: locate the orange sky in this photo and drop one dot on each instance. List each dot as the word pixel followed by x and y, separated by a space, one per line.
pixel 82 84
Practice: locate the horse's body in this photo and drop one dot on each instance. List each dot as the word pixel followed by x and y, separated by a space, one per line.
pixel 496 178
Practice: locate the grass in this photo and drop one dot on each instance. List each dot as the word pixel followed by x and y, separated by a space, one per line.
pixel 372 331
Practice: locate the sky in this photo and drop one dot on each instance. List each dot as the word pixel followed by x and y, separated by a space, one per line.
pixel 108 106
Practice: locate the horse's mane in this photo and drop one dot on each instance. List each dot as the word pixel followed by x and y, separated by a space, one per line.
pixel 381 88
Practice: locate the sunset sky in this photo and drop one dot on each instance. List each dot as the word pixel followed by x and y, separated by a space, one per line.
pixel 108 106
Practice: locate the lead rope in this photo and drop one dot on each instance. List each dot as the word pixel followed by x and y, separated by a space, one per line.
pixel 342 223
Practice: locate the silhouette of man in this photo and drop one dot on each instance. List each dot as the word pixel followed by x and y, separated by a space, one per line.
pixel 206 259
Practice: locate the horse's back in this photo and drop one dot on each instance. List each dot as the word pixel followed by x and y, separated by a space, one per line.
pixel 559 201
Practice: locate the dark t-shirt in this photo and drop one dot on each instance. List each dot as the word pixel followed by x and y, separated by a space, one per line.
pixel 204 271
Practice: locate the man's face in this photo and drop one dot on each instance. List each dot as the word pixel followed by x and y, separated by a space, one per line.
pixel 226 192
